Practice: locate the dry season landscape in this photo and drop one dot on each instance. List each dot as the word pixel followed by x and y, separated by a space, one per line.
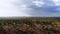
pixel 32 25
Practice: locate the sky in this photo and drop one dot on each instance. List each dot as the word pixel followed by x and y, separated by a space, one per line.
pixel 30 8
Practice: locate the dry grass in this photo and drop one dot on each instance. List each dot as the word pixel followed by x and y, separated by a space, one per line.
pixel 30 26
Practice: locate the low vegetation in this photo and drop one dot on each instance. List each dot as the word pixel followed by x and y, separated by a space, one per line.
pixel 30 26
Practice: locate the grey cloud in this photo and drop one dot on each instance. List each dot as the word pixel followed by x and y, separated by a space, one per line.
pixel 27 8
pixel 48 10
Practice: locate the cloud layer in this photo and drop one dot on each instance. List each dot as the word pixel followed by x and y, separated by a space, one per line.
pixel 12 8
pixel 46 8
pixel 40 8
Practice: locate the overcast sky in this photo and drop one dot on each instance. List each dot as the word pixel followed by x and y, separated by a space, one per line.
pixel 40 8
